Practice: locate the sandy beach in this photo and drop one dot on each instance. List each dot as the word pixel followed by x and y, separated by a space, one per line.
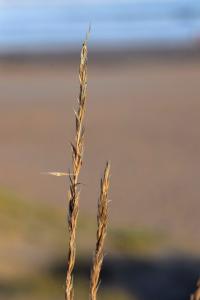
pixel 142 115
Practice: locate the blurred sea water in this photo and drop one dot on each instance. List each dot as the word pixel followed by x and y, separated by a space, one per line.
pixel 49 25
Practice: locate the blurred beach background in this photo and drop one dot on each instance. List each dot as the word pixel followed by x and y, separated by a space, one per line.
pixel 142 114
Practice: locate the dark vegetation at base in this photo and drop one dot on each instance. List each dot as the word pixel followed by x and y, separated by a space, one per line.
pixel 171 278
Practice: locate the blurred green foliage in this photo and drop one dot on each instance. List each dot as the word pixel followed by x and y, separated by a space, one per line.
pixel 134 241
pixel 34 237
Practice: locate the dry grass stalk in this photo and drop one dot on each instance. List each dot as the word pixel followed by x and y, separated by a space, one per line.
pixel 77 157
pixel 196 295
pixel 102 220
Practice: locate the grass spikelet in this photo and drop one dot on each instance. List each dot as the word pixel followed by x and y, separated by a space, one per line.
pixel 102 220
pixel 77 159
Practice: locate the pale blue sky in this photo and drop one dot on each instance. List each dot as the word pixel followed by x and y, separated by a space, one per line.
pixel 36 24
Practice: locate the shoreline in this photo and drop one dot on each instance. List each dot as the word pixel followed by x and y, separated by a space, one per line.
pixel 99 56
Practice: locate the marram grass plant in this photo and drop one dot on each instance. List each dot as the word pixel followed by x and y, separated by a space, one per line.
pixel 74 191
pixel 102 220
pixel 77 159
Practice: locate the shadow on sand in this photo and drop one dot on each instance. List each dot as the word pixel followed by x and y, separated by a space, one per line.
pixel 169 278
